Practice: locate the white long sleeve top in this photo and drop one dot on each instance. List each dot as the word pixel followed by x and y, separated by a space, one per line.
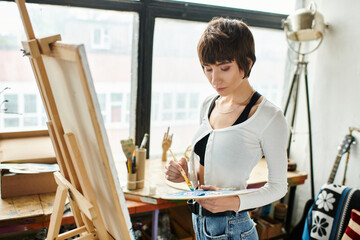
pixel 232 152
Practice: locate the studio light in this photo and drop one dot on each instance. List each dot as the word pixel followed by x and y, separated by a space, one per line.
pixel 305 25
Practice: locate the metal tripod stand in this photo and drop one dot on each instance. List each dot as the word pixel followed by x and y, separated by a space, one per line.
pixel 301 66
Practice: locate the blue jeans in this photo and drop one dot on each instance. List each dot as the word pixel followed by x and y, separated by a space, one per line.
pixel 239 226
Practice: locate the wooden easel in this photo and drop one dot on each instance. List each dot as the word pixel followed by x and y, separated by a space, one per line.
pixel 86 214
pixel 86 208
pixel 73 182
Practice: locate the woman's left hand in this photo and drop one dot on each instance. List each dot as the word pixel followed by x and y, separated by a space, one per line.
pixel 218 204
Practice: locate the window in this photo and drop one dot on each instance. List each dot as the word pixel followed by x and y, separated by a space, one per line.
pixel 31 118
pixel 116 103
pixel 102 102
pixel 30 103
pixel 166 60
pixel 167 107
pixel 11 109
pixel 11 104
pixel 193 106
pixel 100 38
pixel 179 81
pixel 108 37
pixel 180 109
pixel 267 75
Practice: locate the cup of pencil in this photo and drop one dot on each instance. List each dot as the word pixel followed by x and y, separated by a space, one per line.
pixel 128 147
pixel 131 181
pixel 132 171
pixel 132 175
pixel 135 163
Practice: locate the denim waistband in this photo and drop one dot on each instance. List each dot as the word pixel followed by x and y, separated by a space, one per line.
pixel 197 209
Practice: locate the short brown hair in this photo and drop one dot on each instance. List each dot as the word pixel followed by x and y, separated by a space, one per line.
pixel 226 39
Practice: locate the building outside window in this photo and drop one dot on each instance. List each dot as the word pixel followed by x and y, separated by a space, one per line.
pixel 100 38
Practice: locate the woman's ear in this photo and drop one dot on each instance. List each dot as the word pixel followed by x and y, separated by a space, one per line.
pixel 250 62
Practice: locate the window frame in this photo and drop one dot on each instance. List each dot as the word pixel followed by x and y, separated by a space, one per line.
pixel 148 10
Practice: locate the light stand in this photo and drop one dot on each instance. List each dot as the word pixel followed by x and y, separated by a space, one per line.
pixel 303 26
pixel 301 66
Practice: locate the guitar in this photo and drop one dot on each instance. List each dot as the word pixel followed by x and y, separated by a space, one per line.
pixel 297 231
pixel 344 148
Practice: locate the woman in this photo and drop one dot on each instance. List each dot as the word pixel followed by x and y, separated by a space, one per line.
pixel 238 127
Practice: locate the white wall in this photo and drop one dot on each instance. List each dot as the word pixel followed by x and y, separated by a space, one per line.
pixel 334 84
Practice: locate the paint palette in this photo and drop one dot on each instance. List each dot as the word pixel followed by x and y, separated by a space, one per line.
pixel 185 195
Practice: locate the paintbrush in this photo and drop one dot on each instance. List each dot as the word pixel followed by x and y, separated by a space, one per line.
pixel 144 141
pixel 183 172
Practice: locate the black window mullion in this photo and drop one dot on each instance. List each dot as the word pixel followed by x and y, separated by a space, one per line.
pixel 145 53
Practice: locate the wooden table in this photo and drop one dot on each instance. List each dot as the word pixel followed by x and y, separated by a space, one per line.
pixel 33 212
pixel 27 213
pixel 154 175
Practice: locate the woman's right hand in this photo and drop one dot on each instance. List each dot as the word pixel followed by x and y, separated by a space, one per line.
pixel 172 170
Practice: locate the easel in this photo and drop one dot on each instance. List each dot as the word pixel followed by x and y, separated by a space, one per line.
pixel 73 182
pixel 86 215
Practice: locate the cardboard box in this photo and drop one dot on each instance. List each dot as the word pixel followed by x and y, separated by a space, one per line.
pixel 267 227
pixel 26 147
pixel 15 185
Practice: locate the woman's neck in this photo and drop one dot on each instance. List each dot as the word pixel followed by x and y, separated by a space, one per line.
pixel 239 96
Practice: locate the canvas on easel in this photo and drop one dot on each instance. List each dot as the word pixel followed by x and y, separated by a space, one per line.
pixel 80 115
pixel 79 138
